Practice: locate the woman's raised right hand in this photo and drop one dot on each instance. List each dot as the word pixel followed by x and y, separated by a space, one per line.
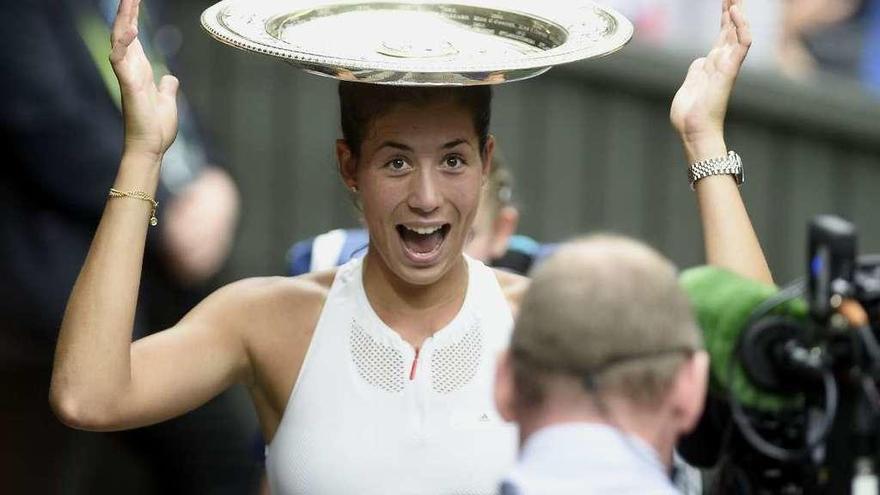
pixel 150 111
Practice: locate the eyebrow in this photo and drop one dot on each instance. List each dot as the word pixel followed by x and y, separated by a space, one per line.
pixel 396 145
pixel 403 147
pixel 453 144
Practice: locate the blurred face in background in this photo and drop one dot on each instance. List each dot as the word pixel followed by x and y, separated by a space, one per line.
pixel 493 226
pixel 419 174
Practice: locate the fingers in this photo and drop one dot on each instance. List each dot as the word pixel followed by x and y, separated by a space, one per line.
pixel 731 3
pixel 743 31
pixel 728 32
pixel 124 29
pixel 126 20
pixel 725 6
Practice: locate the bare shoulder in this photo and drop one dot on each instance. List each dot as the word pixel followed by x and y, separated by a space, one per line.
pixel 323 279
pixel 275 318
pixel 262 302
pixel 513 286
pixel 267 290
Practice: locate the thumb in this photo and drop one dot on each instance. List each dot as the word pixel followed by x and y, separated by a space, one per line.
pixel 167 104
pixel 168 86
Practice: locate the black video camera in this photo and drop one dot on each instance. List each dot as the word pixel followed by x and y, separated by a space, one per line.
pixel 822 435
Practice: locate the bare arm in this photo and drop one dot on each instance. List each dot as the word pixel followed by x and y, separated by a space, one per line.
pixel 100 380
pixel 697 113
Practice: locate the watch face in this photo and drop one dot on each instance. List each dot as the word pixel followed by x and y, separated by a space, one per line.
pixel 738 166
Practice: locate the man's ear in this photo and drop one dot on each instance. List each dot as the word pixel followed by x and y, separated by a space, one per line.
pixel 689 390
pixel 504 387
pixel 506 222
pixel 347 164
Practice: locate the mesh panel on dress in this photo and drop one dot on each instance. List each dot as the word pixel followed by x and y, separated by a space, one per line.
pixel 380 365
pixel 453 366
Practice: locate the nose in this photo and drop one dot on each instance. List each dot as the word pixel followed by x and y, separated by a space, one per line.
pixel 424 194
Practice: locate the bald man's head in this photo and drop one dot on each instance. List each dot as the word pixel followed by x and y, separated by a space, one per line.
pixel 609 311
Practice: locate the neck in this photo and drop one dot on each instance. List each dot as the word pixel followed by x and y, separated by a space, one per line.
pixel 649 427
pixel 414 311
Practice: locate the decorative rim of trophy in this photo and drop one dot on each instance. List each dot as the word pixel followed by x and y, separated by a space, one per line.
pixel 421 42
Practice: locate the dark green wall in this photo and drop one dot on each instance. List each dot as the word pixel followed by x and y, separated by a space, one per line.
pixel 590 146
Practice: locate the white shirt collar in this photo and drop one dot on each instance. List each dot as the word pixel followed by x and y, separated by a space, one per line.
pixel 589 454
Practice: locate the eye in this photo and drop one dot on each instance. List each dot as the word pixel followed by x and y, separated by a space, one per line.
pixel 397 165
pixel 454 162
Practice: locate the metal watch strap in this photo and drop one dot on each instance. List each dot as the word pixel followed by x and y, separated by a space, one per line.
pixel 727 165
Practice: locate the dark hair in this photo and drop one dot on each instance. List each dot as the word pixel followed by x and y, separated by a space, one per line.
pixel 361 103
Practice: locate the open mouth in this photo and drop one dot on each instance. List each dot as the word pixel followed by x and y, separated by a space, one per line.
pixel 423 243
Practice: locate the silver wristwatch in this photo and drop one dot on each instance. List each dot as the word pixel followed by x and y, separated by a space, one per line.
pixel 728 165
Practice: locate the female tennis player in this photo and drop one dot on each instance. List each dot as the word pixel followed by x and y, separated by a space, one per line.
pixel 373 378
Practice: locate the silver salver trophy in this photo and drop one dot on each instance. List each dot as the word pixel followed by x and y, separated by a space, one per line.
pixel 427 42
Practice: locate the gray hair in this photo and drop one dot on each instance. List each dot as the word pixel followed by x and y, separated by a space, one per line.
pixel 608 310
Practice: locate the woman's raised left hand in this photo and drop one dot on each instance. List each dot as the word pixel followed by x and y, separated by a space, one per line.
pixel 700 105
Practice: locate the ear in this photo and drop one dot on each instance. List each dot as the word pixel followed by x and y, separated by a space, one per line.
pixel 347 164
pixel 488 154
pixel 689 390
pixel 504 387
pixel 506 222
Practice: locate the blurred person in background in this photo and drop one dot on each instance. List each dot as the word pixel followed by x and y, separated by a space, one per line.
pixel 803 19
pixel 605 371
pixel 795 37
pixel 871 54
pixel 836 36
pixel 871 57
pixel 687 26
pixel 61 130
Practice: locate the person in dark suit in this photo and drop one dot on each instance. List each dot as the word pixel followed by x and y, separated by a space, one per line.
pixel 61 133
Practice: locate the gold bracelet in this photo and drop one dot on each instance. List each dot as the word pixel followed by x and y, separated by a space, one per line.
pixel 114 193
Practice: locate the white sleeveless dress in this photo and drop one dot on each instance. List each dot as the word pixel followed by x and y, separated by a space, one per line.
pixel 368 415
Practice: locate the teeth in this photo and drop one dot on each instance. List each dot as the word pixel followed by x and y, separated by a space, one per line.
pixel 425 231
